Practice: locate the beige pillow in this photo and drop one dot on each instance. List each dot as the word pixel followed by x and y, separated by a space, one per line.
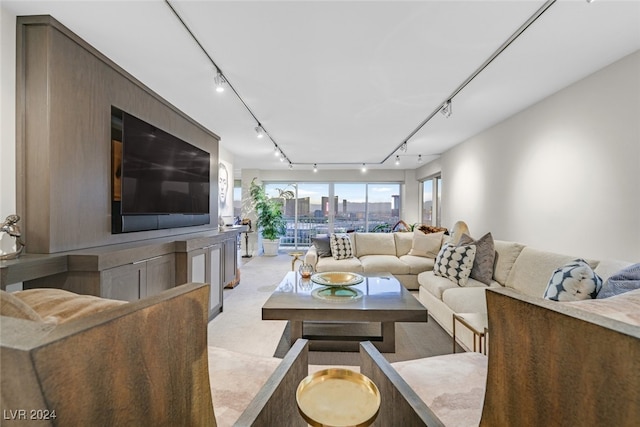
pixel 426 245
pixel 60 306
pixel 11 306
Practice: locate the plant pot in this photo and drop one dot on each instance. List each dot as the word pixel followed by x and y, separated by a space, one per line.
pixel 270 247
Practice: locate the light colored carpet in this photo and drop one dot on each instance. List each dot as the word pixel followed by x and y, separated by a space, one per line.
pixel 240 326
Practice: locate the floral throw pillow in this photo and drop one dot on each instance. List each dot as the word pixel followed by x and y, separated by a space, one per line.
pixel 341 246
pixel 455 263
pixel 574 281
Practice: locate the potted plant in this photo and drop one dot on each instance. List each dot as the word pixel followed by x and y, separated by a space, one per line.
pixel 270 221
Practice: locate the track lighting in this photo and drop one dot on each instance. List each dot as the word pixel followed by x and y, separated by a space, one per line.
pixel 276 151
pixel 397 160
pixel 315 167
pixel 419 158
pixel 403 147
pixel 219 81
pixel 447 109
pixel 281 157
pixel 364 167
pixel 290 165
pixel 260 131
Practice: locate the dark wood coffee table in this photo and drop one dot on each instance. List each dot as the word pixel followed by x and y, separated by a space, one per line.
pixel 340 324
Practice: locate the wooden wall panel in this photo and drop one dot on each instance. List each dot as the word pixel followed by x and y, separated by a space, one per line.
pixel 69 89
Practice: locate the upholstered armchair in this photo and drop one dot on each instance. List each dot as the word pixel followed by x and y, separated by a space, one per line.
pixel 140 363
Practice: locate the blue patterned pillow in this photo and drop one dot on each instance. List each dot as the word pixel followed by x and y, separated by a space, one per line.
pixel 341 246
pixel 574 281
pixel 623 281
pixel 455 263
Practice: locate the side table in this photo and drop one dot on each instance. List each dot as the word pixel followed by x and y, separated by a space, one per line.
pixel 477 324
pixel 296 257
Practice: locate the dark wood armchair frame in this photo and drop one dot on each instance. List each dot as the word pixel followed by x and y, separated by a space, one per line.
pixel 550 364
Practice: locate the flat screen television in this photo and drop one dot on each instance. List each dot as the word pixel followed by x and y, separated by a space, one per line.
pixel 158 180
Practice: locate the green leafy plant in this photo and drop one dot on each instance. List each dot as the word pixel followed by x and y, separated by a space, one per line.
pixel 271 222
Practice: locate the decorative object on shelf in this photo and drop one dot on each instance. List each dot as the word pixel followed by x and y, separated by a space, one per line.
pixel 10 226
pixel 338 397
pixel 337 278
pixel 306 270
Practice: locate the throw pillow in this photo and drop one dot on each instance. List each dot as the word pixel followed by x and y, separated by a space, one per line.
pixel 341 246
pixel 574 281
pixel 323 245
pixel 483 263
pixel 426 245
pixel 623 281
pixel 455 263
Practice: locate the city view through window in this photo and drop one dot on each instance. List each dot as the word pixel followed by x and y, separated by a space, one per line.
pixel 322 208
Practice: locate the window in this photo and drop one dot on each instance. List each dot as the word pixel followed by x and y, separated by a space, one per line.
pixel 431 197
pixel 322 208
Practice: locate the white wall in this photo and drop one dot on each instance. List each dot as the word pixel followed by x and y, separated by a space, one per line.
pixel 7 123
pixel 562 175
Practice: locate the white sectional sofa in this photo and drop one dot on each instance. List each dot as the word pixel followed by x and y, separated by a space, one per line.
pixel 523 269
pixel 381 252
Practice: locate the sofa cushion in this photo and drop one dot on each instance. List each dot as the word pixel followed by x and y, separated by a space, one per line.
pixel 573 281
pixel 417 264
pixel 485 257
pixel 427 245
pixel 470 299
pixel 330 264
pixel 383 263
pixel 533 268
pixel 341 246
pixel 452 385
pixel 455 263
pixel 12 306
pixel 323 245
pixel 623 281
pixel 403 240
pixel 60 306
pixel 375 244
pixel 506 255
pixel 435 285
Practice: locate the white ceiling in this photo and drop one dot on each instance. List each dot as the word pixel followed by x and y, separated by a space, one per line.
pixel 340 83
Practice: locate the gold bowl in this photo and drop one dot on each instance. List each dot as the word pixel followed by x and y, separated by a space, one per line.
pixel 337 278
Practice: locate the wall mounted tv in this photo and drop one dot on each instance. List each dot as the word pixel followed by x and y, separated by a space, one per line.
pixel 158 181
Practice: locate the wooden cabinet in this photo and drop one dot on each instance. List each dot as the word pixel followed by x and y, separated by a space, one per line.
pixel 205 265
pixel 135 270
pixel 230 259
pixel 139 279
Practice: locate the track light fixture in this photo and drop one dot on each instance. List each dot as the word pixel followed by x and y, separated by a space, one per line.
pixel 315 167
pixel 276 151
pixel 260 131
pixel 419 158
pixel 219 81
pixel 403 147
pixel 290 165
pixel 281 157
pixel 447 109
pixel 397 160
pixel 364 168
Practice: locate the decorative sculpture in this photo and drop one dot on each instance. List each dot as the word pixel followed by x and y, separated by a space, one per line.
pixel 10 226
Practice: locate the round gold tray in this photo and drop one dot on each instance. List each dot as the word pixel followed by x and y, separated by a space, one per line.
pixel 337 278
pixel 338 397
